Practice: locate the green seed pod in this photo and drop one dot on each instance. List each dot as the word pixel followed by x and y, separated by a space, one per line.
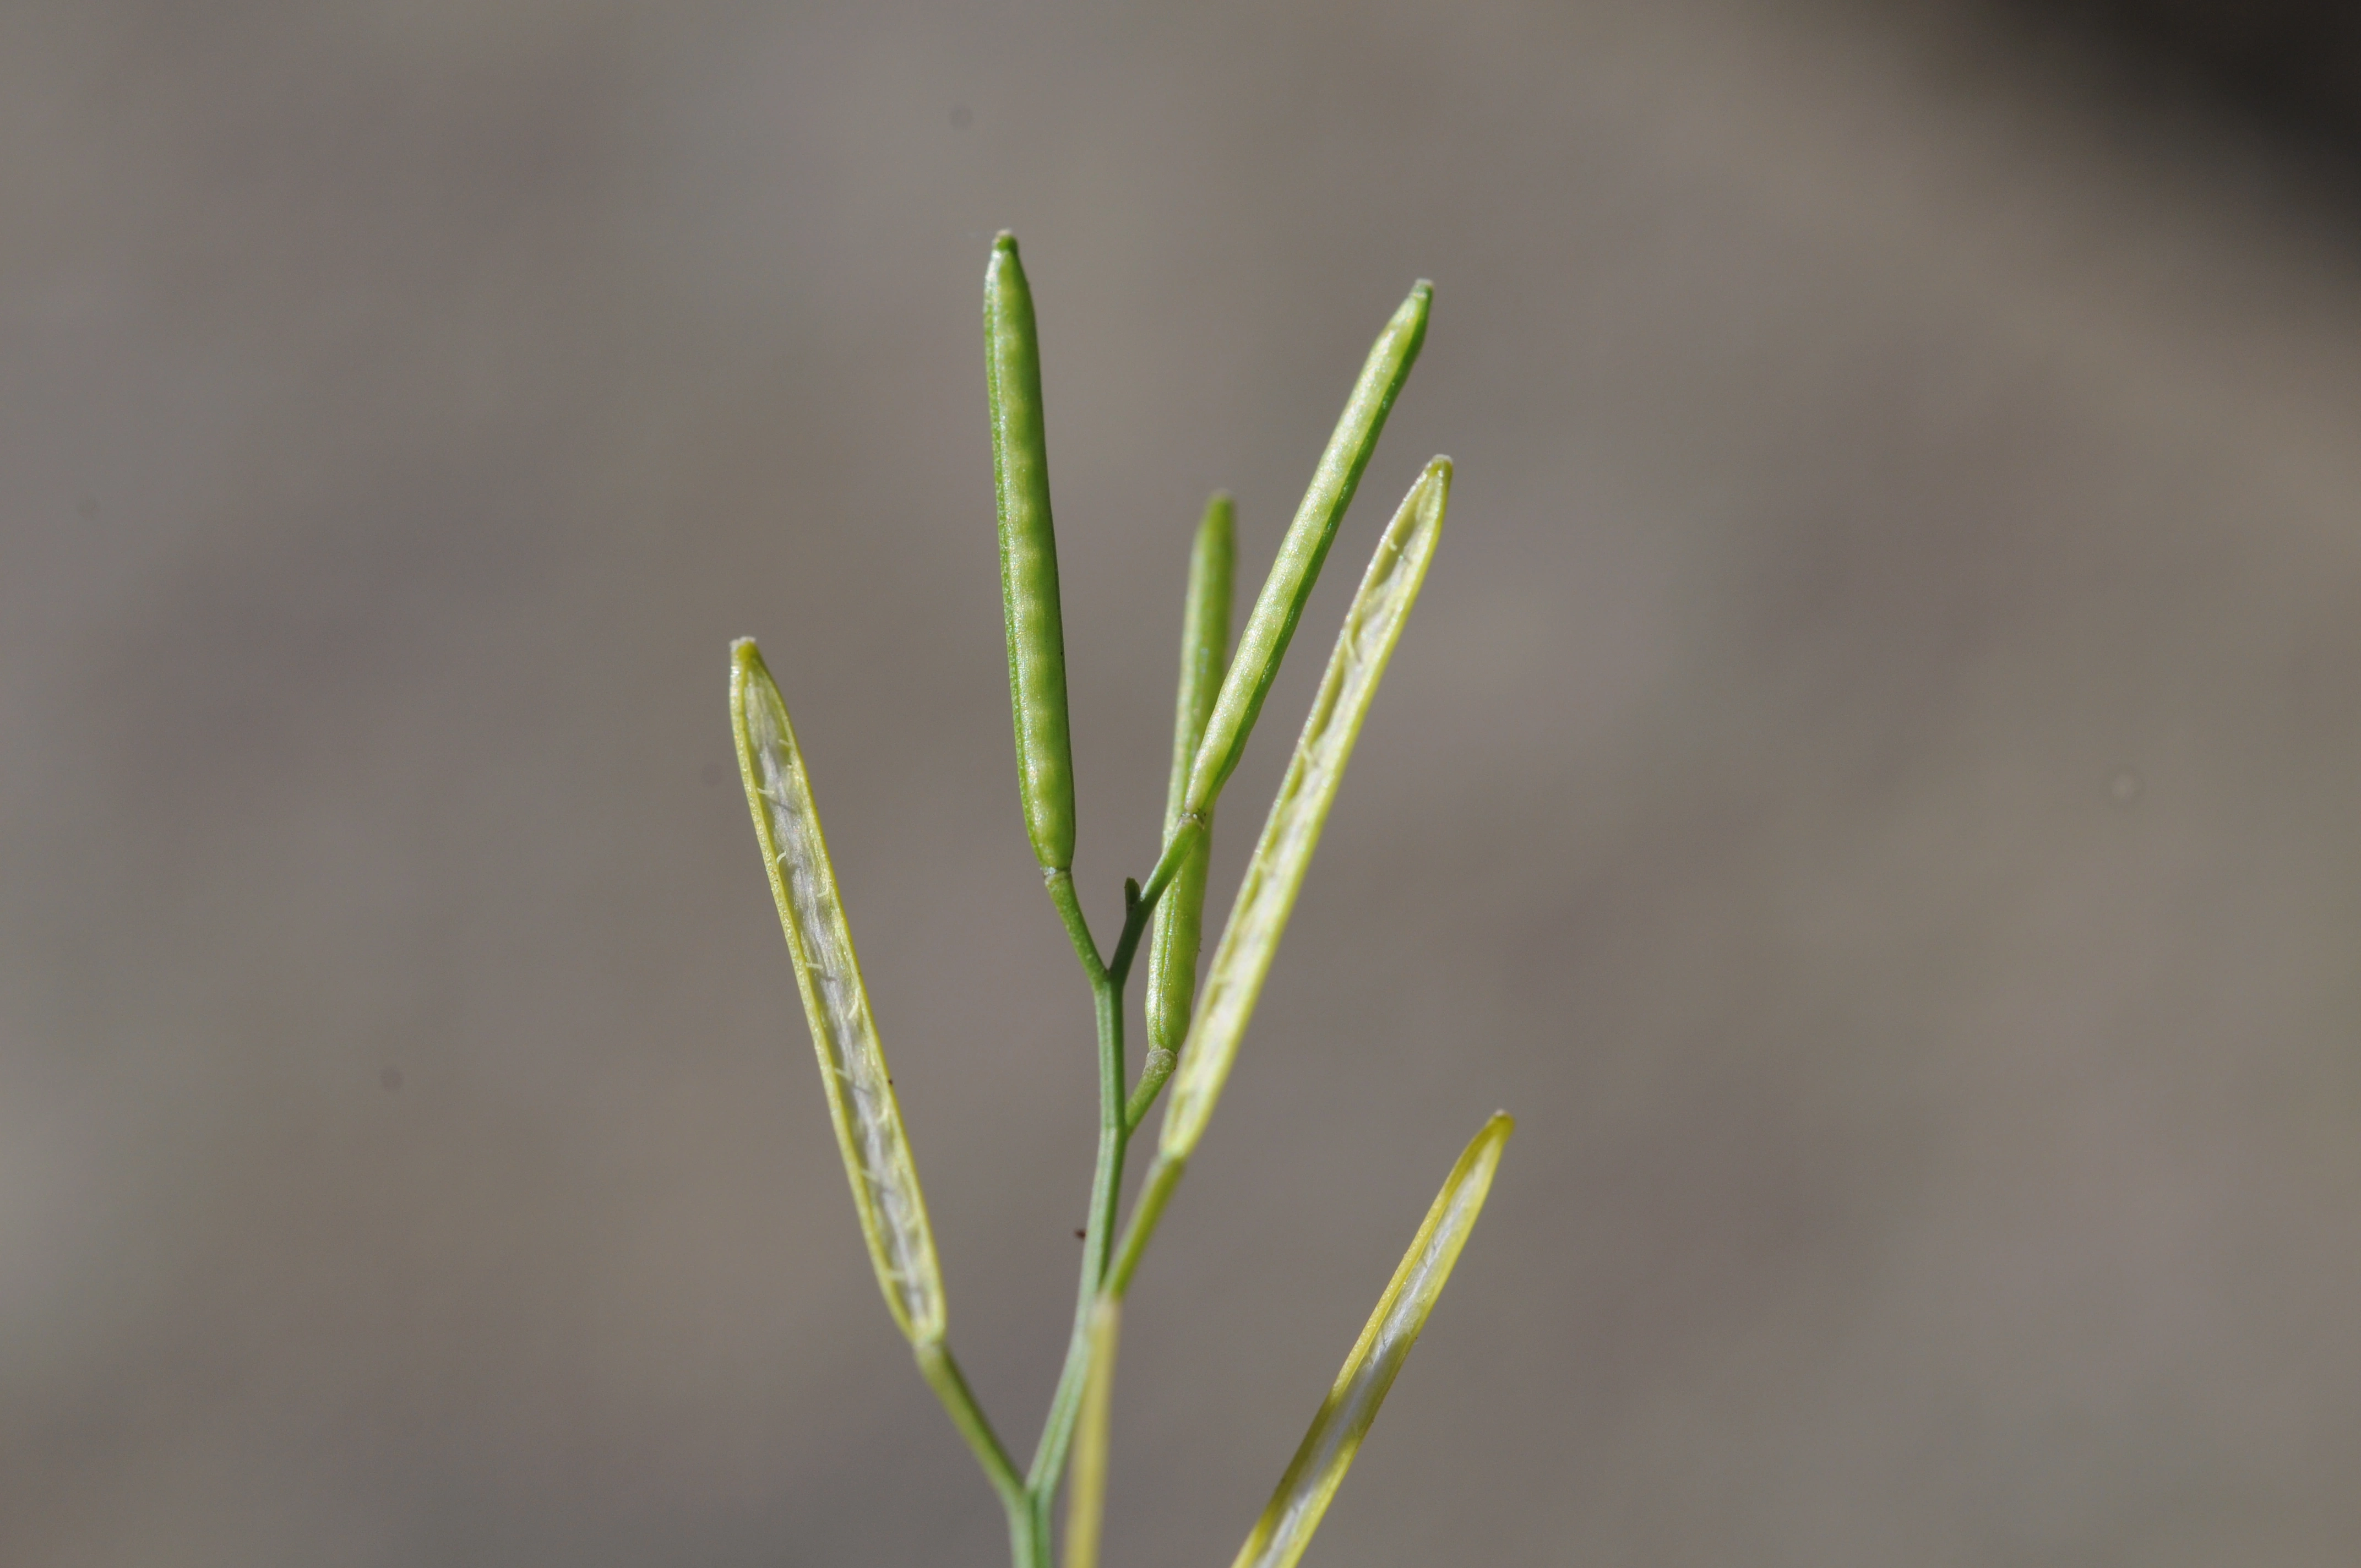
pixel 1280 603
pixel 1028 559
pixel 1204 646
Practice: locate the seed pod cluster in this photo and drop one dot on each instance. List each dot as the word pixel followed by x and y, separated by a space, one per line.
pixel 1193 1036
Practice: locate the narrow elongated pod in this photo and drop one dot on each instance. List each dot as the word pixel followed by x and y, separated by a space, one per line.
pixel 852 1063
pixel 1304 546
pixel 1304 1494
pixel 1028 559
pixel 1275 873
pixel 1173 940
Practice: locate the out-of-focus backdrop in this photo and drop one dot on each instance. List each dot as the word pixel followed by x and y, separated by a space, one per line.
pixel 1874 782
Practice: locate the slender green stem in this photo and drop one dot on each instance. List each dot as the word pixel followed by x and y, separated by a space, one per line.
pixel 1106 1176
pixel 1042 1540
pixel 1107 997
pixel 1153 1071
pixel 1029 1535
pixel 941 1371
pixel 1107 981
pixel 1126 947
pixel 1074 1382
pixel 1162 1177
pixel 1060 886
pixel 1184 833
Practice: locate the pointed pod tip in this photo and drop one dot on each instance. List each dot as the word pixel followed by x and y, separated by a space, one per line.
pixel 1485 1148
pixel 1407 331
pixel 1006 269
pixel 745 655
pixel 1432 494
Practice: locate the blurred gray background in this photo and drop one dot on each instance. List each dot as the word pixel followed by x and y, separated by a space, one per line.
pixel 1874 781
